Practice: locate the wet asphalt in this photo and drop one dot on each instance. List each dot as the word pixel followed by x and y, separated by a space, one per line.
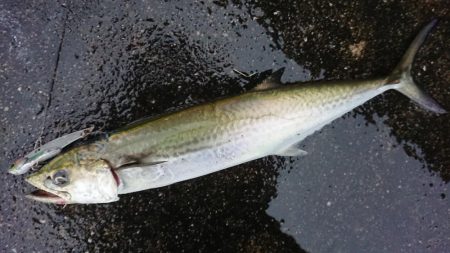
pixel 375 180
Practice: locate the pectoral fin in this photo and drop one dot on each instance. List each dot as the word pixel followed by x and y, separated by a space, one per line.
pixel 134 161
pixel 144 164
pixel 292 151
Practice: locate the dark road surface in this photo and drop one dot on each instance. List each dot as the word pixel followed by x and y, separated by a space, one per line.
pixel 375 180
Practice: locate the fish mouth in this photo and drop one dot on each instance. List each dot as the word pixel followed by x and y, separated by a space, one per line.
pixel 50 196
pixel 46 197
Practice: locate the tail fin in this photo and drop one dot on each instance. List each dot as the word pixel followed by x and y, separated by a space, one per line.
pixel 401 76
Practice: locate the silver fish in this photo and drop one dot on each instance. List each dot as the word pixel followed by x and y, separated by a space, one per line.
pixel 269 120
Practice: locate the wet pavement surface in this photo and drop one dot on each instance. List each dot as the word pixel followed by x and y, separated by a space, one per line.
pixel 375 180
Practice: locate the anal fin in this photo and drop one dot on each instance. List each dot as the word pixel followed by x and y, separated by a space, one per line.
pixel 292 151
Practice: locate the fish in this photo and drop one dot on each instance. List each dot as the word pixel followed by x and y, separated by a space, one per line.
pixel 271 119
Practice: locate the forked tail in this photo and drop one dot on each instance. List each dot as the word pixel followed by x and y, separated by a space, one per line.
pixel 403 81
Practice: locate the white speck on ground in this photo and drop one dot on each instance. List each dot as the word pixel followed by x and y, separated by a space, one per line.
pixel 357 49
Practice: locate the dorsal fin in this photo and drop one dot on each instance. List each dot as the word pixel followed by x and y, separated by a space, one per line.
pixel 273 81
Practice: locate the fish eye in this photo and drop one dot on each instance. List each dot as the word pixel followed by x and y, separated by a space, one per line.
pixel 60 178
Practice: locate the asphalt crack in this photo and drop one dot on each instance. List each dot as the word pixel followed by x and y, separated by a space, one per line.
pixel 53 80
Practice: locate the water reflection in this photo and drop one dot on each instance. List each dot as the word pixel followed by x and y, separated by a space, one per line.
pixel 358 190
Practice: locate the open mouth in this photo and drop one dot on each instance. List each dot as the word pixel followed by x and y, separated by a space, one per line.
pixel 47 197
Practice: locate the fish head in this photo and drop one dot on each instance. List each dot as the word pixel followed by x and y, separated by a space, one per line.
pixel 75 177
